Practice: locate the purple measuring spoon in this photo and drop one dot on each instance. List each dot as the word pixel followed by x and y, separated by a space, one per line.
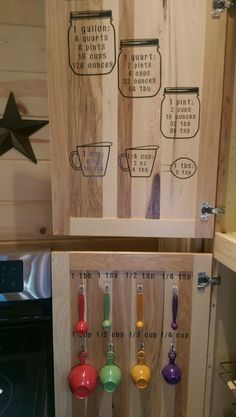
pixel 171 372
pixel 175 304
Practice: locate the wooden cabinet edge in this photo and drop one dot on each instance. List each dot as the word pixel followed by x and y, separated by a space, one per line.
pixel 224 249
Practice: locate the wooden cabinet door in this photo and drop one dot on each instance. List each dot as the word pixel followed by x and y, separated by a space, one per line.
pixel 158 273
pixel 135 102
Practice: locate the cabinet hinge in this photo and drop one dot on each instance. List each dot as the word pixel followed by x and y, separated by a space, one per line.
pixel 219 6
pixel 204 280
pixel 207 210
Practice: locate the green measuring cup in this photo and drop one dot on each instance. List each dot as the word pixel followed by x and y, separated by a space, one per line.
pixel 110 374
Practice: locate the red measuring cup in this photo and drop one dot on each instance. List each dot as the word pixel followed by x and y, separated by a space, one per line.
pixel 82 378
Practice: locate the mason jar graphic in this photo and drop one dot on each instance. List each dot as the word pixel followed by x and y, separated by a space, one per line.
pixel 91 159
pixel 139 68
pixel 180 112
pixel 138 161
pixel 91 42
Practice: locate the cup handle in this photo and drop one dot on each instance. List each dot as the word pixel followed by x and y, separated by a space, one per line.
pixel 121 156
pixel 71 159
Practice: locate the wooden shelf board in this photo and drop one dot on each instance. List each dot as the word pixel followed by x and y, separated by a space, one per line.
pixel 225 249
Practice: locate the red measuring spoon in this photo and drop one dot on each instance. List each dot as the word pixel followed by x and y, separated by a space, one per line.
pixel 81 326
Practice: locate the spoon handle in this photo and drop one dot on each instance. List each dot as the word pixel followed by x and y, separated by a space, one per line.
pixel 175 305
pixel 106 305
pixel 139 323
pixel 81 305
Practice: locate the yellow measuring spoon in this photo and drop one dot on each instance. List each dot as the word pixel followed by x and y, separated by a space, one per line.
pixel 139 322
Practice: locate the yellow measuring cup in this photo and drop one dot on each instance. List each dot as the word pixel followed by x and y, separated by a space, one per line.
pixel 141 373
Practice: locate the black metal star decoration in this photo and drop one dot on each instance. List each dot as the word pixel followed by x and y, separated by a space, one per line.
pixel 15 131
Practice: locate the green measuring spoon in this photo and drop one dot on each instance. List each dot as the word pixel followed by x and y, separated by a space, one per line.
pixel 106 324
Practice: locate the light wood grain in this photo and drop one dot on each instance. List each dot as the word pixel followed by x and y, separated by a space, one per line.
pixel 148 25
pixel 22 181
pixel 22 12
pixel 211 115
pixel 25 220
pixel 23 83
pixel 140 260
pixel 125 117
pixel 199 326
pixel 132 227
pixel 88 204
pixel 122 322
pixel 25 202
pixel 227 170
pixel 58 116
pixel 226 174
pixel 61 331
pixel 29 44
pixel 30 107
pixel 94 270
pixel 225 249
pixel 110 124
pixel 185 317
pixel 30 91
pixel 85 126
pixel 210 376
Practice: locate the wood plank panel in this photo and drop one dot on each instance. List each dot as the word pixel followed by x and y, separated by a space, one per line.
pixel 185 288
pixel 85 127
pixel 183 58
pixel 211 115
pixel 132 227
pixel 226 164
pixel 22 181
pixel 163 260
pixel 58 109
pixel 110 120
pixel 25 202
pixel 225 249
pixel 30 107
pixel 61 315
pixel 199 325
pixel 158 273
pixel 23 83
pixel 148 110
pixel 28 43
pixel 29 220
pixel 30 91
pixel 125 116
pixel 228 223
pixel 22 12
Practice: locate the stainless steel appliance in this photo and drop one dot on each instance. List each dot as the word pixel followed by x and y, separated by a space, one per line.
pixel 26 352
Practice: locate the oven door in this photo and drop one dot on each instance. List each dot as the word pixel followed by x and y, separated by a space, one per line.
pixel 26 373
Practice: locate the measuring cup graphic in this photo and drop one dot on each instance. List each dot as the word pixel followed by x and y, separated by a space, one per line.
pixel 91 159
pixel 139 161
